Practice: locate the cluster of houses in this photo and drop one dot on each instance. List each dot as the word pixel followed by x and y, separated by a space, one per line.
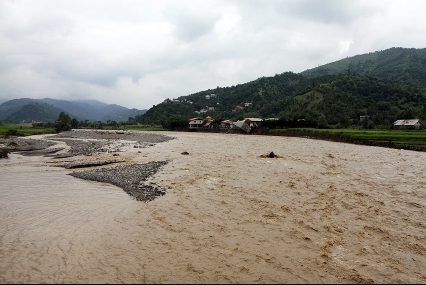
pixel 249 123
pixel 246 125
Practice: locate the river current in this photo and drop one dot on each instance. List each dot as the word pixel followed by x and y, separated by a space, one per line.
pixel 55 228
pixel 319 212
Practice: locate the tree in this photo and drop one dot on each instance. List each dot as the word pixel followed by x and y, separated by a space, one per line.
pixel 346 121
pixel 63 123
pixel 322 122
pixel 74 123
pixel 175 121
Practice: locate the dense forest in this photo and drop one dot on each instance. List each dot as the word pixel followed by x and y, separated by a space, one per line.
pixel 383 86
pixel 397 64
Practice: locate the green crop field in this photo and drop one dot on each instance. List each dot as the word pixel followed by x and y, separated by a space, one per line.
pixel 383 135
pixel 28 130
pixel 402 138
pixel 24 130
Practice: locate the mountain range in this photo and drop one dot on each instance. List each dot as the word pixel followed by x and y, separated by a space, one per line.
pixel 383 86
pixel 48 110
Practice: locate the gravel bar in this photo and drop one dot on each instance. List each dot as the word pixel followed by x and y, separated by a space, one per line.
pixel 104 140
pixel 26 147
pixel 131 178
pixel 143 137
pixel 82 164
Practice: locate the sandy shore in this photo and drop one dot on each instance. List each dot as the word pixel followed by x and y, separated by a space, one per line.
pixel 320 212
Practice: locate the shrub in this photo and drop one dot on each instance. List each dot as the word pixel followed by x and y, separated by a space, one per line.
pixel 3 153
pixel 11 132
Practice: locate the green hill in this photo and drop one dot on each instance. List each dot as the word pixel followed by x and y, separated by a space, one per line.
pixel 35 111
pixel 386 85
pixel 397 64
pixel 9 107
pixel 349 96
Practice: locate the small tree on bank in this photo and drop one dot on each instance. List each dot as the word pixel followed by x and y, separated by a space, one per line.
pixel 63 123
pixel 322 122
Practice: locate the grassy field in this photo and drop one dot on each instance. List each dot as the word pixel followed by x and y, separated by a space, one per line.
pixel 28 130
pixel 24 130
pixel 406 139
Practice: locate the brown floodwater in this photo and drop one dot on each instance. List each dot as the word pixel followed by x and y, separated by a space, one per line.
pixel 320 212
pixel 58 229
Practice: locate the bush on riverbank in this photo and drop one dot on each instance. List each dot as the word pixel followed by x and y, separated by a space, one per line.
pixel 4 153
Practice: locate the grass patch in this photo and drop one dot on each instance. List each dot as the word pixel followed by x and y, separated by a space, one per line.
pixel 24 130
pixel 145 280
pixel 28 130
pixel 405 139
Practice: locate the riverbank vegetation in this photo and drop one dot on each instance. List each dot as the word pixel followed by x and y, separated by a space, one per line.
pixel 24 130
pixel 401 139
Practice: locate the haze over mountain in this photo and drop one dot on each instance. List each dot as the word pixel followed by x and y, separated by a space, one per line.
pixel 48 110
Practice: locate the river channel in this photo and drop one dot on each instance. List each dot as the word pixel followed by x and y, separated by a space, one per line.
pixel 55 228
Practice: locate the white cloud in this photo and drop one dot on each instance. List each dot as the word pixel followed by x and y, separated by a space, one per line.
pixel 137 53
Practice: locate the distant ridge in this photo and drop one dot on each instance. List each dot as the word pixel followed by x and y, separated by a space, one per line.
pixel 48 109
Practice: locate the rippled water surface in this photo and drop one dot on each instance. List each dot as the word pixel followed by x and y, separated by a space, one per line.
pixel 322 212
pixel 56 228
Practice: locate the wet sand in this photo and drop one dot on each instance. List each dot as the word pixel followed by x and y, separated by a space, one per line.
pixel 319 212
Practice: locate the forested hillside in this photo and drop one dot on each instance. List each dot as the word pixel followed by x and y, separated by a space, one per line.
pixel 344 98
pixel 385 86
pixel 35 111
pixel 397 64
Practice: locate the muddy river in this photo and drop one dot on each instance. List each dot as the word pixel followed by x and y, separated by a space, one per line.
pixel 320 212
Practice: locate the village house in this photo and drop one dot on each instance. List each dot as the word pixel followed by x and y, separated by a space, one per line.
pixel 209 123
pixel 195 123
pixel 226 124
pixel 254 122
pixel 408 124
pixel 247 124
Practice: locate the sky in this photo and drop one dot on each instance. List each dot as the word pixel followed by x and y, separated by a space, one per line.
pixel 137 53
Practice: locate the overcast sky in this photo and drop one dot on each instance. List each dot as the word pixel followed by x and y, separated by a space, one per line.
pixel 138 53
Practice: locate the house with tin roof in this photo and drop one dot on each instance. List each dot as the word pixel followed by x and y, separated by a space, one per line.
pixel 408 124
pixel 195 123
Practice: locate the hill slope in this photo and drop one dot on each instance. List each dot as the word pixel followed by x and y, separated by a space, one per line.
pixel 384 85
pixel 9 107
pixel 37 111
pixel 397 64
